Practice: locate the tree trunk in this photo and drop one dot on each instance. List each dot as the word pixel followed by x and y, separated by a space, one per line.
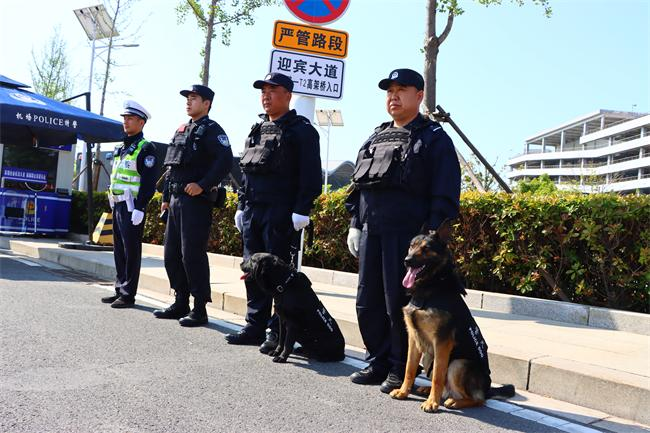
pixel 430 58
pixel 205 74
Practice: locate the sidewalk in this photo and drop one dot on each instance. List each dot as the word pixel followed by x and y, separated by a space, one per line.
pixel 573 360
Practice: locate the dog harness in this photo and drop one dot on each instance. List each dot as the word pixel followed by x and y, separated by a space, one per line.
pixel 446 296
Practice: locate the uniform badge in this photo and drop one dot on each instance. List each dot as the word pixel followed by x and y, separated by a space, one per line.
pixel 223 139
pixel 150 161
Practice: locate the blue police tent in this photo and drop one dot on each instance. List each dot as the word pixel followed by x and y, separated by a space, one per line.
pixel 37 137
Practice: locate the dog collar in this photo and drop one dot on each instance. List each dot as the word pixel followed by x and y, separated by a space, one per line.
pixel 280 287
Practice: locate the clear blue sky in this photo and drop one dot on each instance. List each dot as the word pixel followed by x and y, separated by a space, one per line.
pixel 505 72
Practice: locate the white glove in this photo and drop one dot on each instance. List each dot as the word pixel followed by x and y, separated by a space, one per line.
pixel 239 220
pixel 136 217
pixel 299 221
pixel 353 241
pixel 111 202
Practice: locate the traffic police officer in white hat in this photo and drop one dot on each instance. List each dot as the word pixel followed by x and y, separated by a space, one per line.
pixel 133 183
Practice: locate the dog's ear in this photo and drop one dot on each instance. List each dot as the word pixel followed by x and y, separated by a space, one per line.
pixel 444 231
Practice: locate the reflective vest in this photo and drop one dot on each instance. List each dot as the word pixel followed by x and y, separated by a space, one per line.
pixel 125 174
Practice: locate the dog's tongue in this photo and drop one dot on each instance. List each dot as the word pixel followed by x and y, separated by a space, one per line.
pixel 409 278
pixel 243 277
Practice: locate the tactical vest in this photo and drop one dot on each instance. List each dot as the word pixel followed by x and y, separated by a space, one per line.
pixel 186 147
pixel 265 148
pixel 380 162
pixel 124 175
pixel 393 157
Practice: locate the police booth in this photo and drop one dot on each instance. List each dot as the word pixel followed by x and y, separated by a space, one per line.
pixel 37 141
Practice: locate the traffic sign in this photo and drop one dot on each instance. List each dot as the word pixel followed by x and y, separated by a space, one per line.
pixel 317 11
pixel 310 39
pixel 311 75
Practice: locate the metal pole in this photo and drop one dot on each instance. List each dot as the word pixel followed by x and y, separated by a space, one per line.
pixel 444 116
pixel 327 158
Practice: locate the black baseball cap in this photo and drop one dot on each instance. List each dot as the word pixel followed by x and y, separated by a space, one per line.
pixel 405 77
pixel 203 91
pixel 275 79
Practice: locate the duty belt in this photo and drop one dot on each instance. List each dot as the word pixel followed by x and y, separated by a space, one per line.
pixel 177 188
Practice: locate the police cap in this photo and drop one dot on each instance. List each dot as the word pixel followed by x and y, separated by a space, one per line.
pixel 203 91
pixel 275 79
pixel 132 108
pixel 405 77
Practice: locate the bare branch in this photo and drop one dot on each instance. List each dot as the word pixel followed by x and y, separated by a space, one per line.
pixel 445 32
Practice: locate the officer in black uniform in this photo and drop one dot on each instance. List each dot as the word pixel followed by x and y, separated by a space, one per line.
pixel 407 179
pixel 133 183
pixel 198 157
pixel 282 177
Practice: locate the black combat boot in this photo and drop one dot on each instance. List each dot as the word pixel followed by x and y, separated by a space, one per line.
pixel 197 317
pixel 112 298
pixel 178 309
pixel 271 342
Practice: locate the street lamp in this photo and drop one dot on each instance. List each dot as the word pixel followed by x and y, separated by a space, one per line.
pixel 97 24
pixel 329 118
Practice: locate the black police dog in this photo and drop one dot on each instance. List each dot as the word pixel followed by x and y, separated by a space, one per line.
pixel 440 325
pixel 303 318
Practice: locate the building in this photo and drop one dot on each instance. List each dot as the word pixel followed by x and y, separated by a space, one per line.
pixel 604 151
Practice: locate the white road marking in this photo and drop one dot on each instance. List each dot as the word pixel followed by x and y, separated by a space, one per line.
pixel 501 406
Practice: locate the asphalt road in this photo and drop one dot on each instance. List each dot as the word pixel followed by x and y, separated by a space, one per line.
pixel 69 363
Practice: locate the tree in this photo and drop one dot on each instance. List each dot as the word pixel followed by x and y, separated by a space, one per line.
pixel 433 41
pixel 542 185
pixel 50 70
pixel 484 181
pixel 220 13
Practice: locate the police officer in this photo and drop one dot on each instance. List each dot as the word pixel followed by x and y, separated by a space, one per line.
pixel 282 177
pixel 198 158
pixel 133 183
pixel 407 179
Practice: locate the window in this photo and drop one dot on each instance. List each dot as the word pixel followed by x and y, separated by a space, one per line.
pixel 30 158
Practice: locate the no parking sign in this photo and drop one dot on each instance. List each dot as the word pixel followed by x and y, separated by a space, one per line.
pixel 317 11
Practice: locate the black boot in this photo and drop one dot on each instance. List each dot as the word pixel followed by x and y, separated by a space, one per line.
pixel 270 343
pixel 178 309
pixel 197 317
pixel 112 298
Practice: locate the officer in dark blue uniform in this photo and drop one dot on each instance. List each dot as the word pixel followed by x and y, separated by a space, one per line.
pixel 282 177
pixel 133 183
pixel 198 157
pixel 407 179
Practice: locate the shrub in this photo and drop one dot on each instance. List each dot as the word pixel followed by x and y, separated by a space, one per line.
pixel 589 249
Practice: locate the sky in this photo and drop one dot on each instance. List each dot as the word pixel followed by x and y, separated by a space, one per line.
pixel 505 72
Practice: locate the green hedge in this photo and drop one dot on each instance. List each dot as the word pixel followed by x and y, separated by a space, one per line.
pixel 592 250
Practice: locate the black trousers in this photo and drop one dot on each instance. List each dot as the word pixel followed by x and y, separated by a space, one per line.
pixel 127 250
pixel 380 299
pixel 267 229
pixel 186 246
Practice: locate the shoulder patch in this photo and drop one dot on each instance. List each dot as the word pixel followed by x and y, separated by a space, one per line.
pixel 149 161
pixel 223 139
pixel 182 128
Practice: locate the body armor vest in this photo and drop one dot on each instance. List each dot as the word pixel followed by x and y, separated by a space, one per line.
pixel 178 151
pixel 262 151
pixel 381 162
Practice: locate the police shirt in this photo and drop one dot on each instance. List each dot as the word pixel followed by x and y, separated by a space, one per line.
pixel 428 194
pixel 146 165
pixel 209 157
pixel 298 181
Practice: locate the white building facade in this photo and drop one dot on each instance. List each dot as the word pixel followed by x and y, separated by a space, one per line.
pixel 604 151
